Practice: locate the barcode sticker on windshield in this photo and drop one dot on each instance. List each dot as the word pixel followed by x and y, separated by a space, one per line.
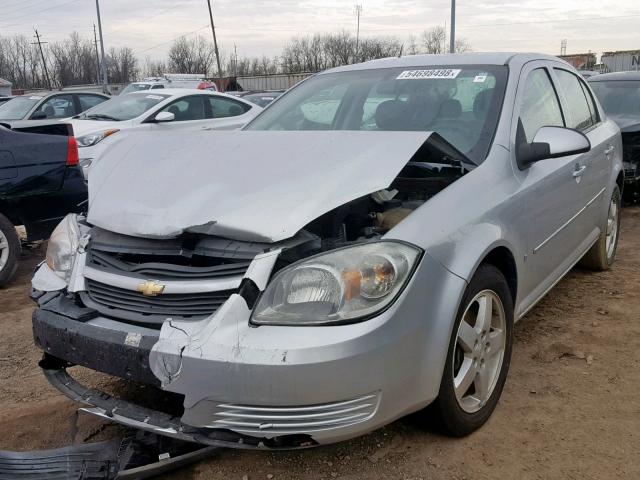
pixel 422 74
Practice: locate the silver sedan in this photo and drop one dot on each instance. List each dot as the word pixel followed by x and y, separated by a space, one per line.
pixel 363 256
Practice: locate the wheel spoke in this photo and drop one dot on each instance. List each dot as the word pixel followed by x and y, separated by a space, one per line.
pixel 482 383
pixel 466 376
pixel 467 336
pixel 496 342
pixel 485 312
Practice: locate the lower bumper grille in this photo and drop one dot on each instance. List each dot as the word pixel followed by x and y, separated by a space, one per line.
pixel 291 420
pixel 131 305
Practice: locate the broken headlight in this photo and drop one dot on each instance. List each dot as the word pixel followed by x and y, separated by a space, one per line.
pixel 341 286
pixel 62 246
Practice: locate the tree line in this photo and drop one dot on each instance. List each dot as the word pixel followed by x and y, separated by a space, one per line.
pixel 75 61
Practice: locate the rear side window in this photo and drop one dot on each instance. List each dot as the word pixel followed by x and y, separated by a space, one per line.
pixel 222 107
pixel 540 106
pixel 88 101
pixel 579 115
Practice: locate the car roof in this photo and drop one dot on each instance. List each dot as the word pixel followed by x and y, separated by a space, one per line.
pixel 604 77
pixel 498 58
pixel 183 92
pixel 60 92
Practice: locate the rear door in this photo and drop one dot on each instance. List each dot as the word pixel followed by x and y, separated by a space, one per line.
pixel 595 166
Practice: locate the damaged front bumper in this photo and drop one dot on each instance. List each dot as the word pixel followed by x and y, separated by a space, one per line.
pixel 260 387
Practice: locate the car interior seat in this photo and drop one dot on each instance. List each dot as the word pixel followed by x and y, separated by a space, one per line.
pixel 49 111
pixel 391 115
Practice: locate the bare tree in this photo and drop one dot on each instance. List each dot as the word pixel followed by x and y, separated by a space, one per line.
pixel 191 56
pixel 433 40
pixel 122 65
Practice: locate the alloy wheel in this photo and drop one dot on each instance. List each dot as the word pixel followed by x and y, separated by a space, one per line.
pixel 479 351
pixel 4 250
pixel 612 227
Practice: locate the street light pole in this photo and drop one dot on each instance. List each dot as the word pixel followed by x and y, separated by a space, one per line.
pixel 452 35
pixel 215 42
pixel 105 81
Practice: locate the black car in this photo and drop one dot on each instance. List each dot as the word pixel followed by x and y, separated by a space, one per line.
pixel 262 98
pixel 40 182
pixel 619 94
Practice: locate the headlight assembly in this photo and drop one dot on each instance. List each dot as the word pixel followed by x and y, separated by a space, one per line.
pixel 62 246
pixel 92 138
pixel 337 287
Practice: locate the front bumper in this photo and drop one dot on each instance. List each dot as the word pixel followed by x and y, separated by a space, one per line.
pixel 271 386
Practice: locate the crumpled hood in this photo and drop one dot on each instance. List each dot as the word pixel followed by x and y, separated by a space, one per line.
pixel 243 185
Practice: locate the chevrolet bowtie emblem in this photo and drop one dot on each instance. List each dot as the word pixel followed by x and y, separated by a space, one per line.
pixel 151 288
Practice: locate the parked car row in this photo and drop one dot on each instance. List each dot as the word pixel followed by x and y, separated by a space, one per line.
pixel 358 251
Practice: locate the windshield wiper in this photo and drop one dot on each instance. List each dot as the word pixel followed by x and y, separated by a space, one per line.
pixel 102 116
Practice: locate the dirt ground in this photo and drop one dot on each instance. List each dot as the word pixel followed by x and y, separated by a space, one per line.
pixel 570 409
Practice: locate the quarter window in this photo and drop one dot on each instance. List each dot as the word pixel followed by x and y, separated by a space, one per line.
pixel 540 106
pixel 580 116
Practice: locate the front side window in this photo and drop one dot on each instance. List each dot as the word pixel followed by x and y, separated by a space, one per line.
pixel 579 114
pixel 58 106
pixel 539 106
pixel 222 107
pixel 187 108
pixel 461 103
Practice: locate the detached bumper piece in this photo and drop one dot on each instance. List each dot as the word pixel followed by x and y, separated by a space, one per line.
pixel 136 456
pixel 134 416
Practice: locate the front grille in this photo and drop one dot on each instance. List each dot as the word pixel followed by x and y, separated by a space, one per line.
pixel 295 419
pixel 131 305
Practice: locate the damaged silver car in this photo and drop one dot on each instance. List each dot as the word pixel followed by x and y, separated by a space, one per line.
pixel 358 252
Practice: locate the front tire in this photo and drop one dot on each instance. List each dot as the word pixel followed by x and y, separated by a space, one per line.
pixel 602 254
pixel 9 250
pixel 479 355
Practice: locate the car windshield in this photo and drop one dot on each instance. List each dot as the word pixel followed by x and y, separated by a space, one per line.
pixel 618 97
pixel 17 108
pixel 123 107
pixel 135 87
pixel 461 103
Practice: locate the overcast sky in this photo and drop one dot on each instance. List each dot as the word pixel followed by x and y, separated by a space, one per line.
pixel 260 27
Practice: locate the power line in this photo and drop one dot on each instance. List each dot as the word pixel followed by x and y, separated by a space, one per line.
pixel 23 7
pixel 39 12
pixel 171 40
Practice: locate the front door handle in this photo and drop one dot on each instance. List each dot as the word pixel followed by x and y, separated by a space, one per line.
pixel 579 170
pixel 609 150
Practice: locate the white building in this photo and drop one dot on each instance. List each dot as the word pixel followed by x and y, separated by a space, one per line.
pixel 5 88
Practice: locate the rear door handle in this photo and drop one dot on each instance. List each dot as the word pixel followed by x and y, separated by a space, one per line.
pixel 579 171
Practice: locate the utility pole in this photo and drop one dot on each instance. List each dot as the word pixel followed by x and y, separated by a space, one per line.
pixel 215 42
pixel 358 12
pixel 452 35
pixel 44 62
pixel 95 43
pixel 235 62
pixel 105 81
pixel 563 47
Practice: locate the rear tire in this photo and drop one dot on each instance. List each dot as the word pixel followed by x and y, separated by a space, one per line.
pixel 9 250
pixel 463 407
pixel 602 254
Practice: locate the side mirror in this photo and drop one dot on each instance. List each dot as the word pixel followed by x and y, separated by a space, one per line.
pixel 163 117
pixel 552 142
pixel 38 115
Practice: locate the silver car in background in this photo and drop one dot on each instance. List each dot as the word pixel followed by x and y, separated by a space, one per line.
pixel 365 255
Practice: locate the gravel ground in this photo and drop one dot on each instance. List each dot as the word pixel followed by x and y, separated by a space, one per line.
pixel 570 409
